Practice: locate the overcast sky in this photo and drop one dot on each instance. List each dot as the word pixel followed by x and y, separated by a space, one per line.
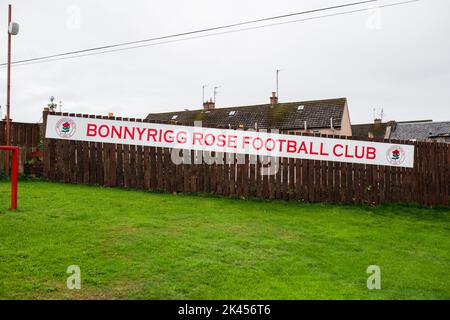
pixel 397 58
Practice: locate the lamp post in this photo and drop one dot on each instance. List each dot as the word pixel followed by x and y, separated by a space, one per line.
pixel 13 29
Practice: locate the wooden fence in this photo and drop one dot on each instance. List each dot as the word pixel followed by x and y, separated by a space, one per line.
pixel 151 168
pixel 27 136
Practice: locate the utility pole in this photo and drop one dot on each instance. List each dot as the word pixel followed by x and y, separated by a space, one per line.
pixel 13 29
pixel 8 90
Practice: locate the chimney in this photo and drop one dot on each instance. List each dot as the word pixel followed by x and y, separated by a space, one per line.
pixel 273 99
pixel 209 105
pixel 378 121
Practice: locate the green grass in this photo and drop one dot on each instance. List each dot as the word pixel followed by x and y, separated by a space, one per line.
pixel 140 245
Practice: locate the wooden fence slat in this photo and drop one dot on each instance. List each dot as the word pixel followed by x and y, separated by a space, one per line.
pixel 112 164
pixel 179 177
pixel 139 165
pixel 119 162
pixel 186 170
pixel 296 179
pixel 146 151
pixel 233 175
pixel 220 173
pixel 65 158
pixel 133 163
pixel 272 185
pixel 291 177
pixel 329 183
pixel 126 163
pixel 152 167
pixel 276 164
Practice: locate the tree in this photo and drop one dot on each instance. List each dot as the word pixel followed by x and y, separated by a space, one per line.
pixel 52 105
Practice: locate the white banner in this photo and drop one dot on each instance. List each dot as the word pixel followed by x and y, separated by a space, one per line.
pixel 231 141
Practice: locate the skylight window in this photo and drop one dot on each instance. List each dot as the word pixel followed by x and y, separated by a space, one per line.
pixel 232 113
pixel 300 108
pixel 174 117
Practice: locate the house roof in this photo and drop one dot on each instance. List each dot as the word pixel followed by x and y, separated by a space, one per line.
pixel 283 116
pixel 420 131
pixel 374 130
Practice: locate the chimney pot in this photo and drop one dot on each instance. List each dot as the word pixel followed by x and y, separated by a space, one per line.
pixel 273 98
pixel 209 105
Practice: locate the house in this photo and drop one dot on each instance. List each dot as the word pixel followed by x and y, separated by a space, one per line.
pixel 319 116
pixel 378 129
pixel 422 130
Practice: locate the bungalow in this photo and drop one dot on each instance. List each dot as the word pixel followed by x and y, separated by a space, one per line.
pixel 319 116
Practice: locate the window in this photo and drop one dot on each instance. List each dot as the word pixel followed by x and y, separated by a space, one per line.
pixel 174 117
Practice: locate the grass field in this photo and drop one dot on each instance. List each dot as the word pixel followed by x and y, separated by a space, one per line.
pixel 140 245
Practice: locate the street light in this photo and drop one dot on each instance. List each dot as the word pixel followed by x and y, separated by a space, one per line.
pixel 13 30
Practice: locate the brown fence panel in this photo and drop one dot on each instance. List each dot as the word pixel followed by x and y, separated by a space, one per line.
pixel 242 175
pixel 27 136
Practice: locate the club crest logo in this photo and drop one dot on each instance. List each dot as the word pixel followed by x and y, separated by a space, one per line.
pixel 65 128
pixel 395 155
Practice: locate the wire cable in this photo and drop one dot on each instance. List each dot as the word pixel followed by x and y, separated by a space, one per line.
pixel 64 56
pixel 196 31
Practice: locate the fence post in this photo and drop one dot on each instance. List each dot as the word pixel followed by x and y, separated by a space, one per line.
pixel 46 143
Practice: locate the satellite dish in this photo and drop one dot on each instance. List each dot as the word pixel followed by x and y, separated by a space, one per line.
pixel 13 28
